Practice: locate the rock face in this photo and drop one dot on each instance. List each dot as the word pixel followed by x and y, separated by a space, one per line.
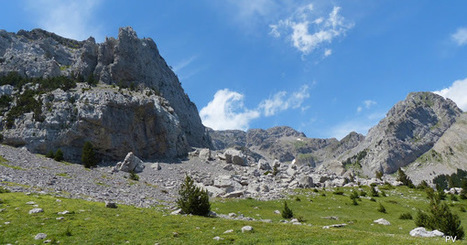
pixel 157 120
pixel 409 129
pixel 422 232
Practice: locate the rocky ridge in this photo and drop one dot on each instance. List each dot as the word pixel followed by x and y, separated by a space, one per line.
pixel 120 121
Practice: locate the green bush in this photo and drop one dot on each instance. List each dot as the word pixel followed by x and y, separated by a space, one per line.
pixel 88 156
pixel 374 192
pixel 379 175
pixel 440 217
pixel 453 197
pixel 286 213
pixel 381 208
pixel 192 199
pixel 406 216
pixel 58 155
pixel 50 154
pixel 402 177
pixel 4 190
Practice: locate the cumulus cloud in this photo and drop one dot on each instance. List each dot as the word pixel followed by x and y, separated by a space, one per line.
pixel 69 18
pixel 327 52
pixel 457 92
pixel 280 101
pixel 308 32
pixel 226 111
pixel 460 37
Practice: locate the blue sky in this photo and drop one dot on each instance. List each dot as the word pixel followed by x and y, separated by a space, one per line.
pixel 322 67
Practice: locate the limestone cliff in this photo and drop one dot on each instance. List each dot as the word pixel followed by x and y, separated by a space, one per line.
pixel 115 121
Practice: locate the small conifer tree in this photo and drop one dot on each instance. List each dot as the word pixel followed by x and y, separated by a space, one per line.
pixel 381 208
pixel 88 156
pixel 192 199
pixel 50 154
pixel 402 177
pixel 286 213
pixel 379 175
pixel 463 193
pixel 58 155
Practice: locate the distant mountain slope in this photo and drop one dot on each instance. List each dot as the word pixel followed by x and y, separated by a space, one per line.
pixel 409 129
pixel 447 155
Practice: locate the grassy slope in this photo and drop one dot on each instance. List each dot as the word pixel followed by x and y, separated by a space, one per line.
pixel 92 223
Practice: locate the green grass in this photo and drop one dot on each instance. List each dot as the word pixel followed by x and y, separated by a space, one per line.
pixel 92 223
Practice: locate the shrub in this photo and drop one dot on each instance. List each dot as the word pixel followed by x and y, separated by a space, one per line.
pixel 58 155
pixel 464 189
pixel 88 156
pixel 423 185
pixel 286 213
pixel 441 218
pixel 297 199
pixel 134 176
pixel 192 199
pixel 374 192
pixel 453 197
pixel 50 154
pixel 462 209
pixel 4 190
pixel 363 193
pixel 379 175
pixel 405 216
pixel 381 208
pixel 372 199
pixel 402 177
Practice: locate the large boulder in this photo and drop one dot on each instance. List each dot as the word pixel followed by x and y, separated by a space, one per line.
pixel 305 181
pixel 422 232
pixel 131 164
pixel 235 157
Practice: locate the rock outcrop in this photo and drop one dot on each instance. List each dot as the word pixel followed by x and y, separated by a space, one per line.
pixel 409 129
pixel 115 122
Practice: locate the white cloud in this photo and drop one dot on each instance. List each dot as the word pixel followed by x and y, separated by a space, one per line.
pixel 327 52
pixel 184 63
pixel 359 109
pixel 307 33
pixel 226 111
pixel 369 103
pixel 70 18
pixel 457 92
pixel 280 102
pixel 460 37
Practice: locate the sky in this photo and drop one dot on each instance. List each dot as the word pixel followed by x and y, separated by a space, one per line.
pixel 325 68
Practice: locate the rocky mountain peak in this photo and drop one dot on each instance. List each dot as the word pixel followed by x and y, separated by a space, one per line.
pixel 409 129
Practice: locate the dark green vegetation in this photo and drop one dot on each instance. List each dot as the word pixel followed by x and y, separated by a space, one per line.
pixel 286 213
pixel 402 177
pixel 192 199
pixel 88 156
pixel 92 223
pixel 439 217
pixel 449 181
pixel 354 162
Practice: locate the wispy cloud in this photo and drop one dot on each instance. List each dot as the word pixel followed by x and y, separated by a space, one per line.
pixel 457 92
pixel 308 32
pixel 227 110
pixel 71 18
pixel 460 37
pixel 343 129
pixel 281 101
pixel 184 63
pixel 367 104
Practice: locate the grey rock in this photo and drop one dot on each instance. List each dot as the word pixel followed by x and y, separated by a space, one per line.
pixel 233 194
pixel 205 154
pixel 247 228
pixel 40 236
pixel 156 166
pixel 305 182
pixel 422 232
pixel 36 210
pixel 131 163
pixel 110 204
pixel 263 165
pixel 382 222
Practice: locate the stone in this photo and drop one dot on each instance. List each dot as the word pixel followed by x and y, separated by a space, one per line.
pixel 234 194
pixel 235 157
pixel 110 204
pixel 205 154
pixel 334 226
pixel 30 203
pixel 36 210
pixel 131 164
pixel 40 236
pixel 64 212
pixel 382 222
pixel 422 232
pixel 217 238
pixel 177 212
pixel 305 182
pixel 247 228
pixel 263 165
pixel 156 166
pixel 228 231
